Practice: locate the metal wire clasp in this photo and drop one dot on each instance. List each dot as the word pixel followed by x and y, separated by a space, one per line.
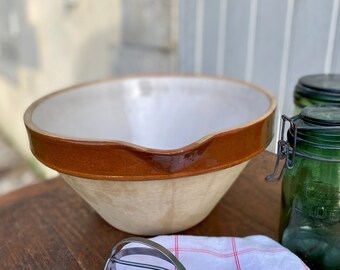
pixel 150 249
pixel 284 150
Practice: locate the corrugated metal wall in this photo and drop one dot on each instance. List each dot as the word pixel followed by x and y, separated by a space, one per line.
pixel 271 43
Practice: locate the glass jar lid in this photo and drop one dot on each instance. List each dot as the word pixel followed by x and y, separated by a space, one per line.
pixel 319 87
pixel 321 115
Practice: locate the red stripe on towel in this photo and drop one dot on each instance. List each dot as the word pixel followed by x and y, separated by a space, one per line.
pixel 237 262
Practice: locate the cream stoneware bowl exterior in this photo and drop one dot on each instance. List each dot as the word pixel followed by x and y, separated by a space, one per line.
pixel 152 155
pixel 156 207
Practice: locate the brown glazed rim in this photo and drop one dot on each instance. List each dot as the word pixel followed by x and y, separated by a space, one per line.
pixel 99 159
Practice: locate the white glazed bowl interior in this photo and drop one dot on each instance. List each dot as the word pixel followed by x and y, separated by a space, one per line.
pixel 162 113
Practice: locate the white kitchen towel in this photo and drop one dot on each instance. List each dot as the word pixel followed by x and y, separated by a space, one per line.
pixel 215 253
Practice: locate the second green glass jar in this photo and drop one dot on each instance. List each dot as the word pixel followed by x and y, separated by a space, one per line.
pixel 310 216
pixel 317 89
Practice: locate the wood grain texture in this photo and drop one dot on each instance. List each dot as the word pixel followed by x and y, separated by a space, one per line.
pixel 48 226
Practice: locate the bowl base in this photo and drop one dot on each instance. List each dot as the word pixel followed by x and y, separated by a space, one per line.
pixel 156 207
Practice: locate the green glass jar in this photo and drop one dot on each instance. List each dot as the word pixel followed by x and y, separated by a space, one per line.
pixel 310 213
pixel 317 89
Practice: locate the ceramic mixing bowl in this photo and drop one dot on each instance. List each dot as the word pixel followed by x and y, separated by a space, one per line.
pixel 152 155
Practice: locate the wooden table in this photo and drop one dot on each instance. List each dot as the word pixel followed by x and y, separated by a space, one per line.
pixel 48 226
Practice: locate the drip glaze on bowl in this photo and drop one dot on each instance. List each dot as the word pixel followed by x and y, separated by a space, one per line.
pixel 150 127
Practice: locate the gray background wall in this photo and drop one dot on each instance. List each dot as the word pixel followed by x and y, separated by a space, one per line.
pixel 271 43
